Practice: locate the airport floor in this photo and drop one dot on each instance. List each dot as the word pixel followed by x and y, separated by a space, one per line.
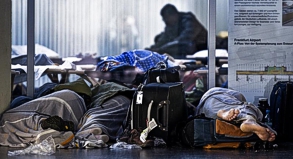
pixel 283 151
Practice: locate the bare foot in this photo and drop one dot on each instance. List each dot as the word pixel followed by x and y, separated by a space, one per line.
pixel 228 115
pixel 272 136
pixel 263 133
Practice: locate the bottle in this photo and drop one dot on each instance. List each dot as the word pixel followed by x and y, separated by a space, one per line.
pixel 268 120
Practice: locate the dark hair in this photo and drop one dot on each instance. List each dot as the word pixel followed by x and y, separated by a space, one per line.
pixel 168 9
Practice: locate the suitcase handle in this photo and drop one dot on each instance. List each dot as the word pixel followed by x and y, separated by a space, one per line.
pixel 162 115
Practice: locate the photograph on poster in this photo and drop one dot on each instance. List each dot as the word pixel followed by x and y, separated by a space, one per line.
pixel 287 12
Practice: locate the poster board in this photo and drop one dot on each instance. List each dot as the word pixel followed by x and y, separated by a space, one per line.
pixel 260 46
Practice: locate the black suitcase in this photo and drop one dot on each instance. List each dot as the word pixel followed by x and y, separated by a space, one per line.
pixel 281 109
pixel 163 103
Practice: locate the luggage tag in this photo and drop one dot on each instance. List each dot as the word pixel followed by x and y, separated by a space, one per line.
pixel 139 97
pixel 150 125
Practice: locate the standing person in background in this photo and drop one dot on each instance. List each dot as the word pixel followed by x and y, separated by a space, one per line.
pixel 183 34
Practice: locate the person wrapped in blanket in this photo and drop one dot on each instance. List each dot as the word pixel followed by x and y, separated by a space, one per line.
pixel 129 67
pixel 63 114
pixel 74 114
pixel 231 105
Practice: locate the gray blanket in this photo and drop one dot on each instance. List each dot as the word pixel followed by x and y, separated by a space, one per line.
pixel 20 126
pixel 108 117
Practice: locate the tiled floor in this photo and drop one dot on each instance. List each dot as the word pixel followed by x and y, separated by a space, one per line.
pixel 284 151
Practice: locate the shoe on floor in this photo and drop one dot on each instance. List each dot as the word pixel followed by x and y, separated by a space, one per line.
pixel 57 123
pixel 103 137
pixel 93 137
pixel 61 138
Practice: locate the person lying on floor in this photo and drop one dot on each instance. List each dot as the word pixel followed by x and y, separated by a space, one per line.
pixel 104 120
pixel 22 125
pixel 231 105
pixel 64 115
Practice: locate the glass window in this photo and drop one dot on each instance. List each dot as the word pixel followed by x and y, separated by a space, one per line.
pixel 81 32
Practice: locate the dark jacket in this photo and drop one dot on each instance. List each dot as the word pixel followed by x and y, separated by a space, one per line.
pixel 188 36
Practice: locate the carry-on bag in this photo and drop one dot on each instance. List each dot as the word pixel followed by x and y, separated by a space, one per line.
pixel 201 131
pixel 170 74
pixel 157 108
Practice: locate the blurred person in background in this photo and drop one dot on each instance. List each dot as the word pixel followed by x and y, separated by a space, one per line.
pixel 183 34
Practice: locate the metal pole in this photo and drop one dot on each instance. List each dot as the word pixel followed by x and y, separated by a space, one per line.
pixel 212 44
pixel 30 47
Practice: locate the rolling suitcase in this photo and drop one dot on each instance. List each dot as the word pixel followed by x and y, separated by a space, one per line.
pixel 157 108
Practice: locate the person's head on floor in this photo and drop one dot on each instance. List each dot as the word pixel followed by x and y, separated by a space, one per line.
pixel 170 14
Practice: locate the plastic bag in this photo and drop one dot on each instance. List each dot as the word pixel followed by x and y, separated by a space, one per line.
pixel 124 145
pixel 46 147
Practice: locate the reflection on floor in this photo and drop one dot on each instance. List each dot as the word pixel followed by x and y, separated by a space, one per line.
pixel 284 150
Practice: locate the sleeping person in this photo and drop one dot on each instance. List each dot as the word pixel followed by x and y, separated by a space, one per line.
pixel 64 115
pixel 22 125
pixel 231 105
